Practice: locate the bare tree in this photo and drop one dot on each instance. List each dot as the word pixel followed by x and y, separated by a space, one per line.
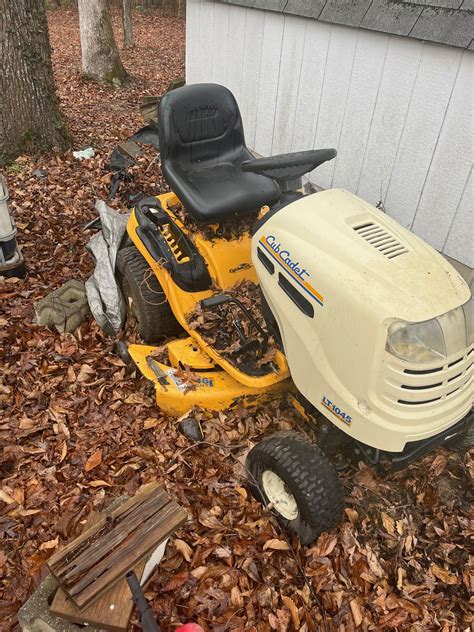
pixel 30 119
pixel 128 41
pixel 100 57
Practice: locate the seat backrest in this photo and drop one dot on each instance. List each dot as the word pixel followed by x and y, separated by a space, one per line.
pixel 200 126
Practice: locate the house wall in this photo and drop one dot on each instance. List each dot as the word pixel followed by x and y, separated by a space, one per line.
pixel 398 110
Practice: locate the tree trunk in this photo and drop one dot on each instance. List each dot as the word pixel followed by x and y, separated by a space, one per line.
pixel 127 24
pixel 30 120
pixel 100 57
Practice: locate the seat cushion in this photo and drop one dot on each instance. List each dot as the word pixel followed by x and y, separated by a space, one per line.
pixel 221 192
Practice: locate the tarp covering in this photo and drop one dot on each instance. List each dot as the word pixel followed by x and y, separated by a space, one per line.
pixel 105 298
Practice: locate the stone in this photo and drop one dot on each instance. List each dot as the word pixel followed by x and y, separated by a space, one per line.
pixel 65 308
pixel 34 616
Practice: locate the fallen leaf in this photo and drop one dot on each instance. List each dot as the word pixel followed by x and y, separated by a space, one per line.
pixel 295 615
pixel 352 515
pixel 6 498
pixel 388 523
pixel 445 576
pixel 93 461
pixel 356 612
pixel 50 544
pixel 150 422
pixel 279 545
pixel 184 548
pixel 99 483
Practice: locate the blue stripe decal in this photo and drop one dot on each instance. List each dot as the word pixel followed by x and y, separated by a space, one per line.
pixel 270 252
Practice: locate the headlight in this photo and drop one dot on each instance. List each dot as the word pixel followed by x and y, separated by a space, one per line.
pixel 468 310
pixel 417 342
pixel 433 339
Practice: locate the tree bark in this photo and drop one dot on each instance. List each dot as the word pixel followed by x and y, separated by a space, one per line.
pixel 30 119
pixel 128 41
pixel 100 57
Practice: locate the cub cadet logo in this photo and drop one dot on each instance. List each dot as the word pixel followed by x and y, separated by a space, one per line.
pixel 329 405
pixel 284 259
pixel 242 266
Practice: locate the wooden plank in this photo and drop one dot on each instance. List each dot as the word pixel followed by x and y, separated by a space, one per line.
pixel 149 109
pixel 173 516
pixel 117 513
pixel 110 612
pixel 90 564
pixel 94 551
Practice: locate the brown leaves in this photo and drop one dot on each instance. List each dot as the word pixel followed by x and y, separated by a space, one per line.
pixel 277 545
pixel 324 546
pixel 72 412
pixel 93 461
pixel 218 328
pixel 184 548
pixel 445 576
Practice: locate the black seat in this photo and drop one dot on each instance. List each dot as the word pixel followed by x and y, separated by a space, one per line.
pixel 202 147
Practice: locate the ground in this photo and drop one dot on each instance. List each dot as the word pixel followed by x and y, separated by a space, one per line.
pixel 78 429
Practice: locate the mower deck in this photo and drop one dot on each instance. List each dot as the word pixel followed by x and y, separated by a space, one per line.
pixel 193 379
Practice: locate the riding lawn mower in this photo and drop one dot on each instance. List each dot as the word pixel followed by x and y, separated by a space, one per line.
pixel 367 328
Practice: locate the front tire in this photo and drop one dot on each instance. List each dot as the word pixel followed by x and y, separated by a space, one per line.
pixel 293 475
pixel 144 296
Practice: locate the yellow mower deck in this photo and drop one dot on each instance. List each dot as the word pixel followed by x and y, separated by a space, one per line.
pixel 193 379
pixel 229 262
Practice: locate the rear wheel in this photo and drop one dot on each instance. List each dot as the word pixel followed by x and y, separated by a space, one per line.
pixel 293 475
pixel 144 296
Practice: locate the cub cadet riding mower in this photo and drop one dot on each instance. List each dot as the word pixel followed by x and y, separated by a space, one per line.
pixel 363 321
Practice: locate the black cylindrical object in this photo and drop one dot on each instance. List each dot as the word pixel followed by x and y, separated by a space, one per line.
pixel 147 619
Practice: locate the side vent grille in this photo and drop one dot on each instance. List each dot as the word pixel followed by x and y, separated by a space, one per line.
pixel 381 239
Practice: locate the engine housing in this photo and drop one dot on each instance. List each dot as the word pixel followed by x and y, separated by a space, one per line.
pixel 336 272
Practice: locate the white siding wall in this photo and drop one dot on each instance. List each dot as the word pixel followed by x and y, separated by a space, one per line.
pixel 399 111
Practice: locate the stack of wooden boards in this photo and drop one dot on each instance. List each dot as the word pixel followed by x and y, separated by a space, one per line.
pixel 91 570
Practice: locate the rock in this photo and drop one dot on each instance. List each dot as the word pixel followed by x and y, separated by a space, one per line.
pixel 65 308
pixel 34 616
pixel 191 428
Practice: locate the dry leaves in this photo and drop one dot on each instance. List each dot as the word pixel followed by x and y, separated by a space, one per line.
pixel 78 429
pixel 93 461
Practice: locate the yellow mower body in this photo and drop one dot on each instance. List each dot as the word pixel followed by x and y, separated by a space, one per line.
pixel 205 378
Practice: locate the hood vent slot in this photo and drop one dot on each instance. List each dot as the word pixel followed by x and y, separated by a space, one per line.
pixel 381 239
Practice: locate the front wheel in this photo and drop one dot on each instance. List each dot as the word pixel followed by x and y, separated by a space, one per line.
pixel 291 474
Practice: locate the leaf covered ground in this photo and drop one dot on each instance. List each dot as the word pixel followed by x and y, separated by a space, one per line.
pixel 78 429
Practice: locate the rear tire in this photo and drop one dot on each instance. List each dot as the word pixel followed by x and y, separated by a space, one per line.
pixel 144 296
pixel 293 475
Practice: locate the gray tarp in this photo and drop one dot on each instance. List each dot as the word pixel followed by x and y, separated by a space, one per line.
pixel 104 296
